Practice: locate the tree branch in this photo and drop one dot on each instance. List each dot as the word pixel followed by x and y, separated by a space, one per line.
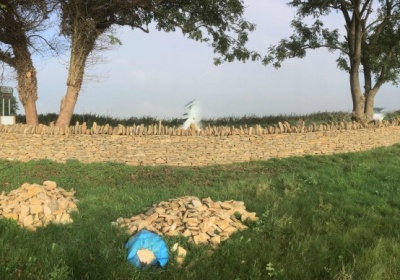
pixel 345 12
pixel 45 40
pixel 7 58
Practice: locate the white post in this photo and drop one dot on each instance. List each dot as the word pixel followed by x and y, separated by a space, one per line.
pixel 3 106
pixel 9 107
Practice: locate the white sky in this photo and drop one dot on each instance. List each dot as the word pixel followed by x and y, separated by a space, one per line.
pixel 156 74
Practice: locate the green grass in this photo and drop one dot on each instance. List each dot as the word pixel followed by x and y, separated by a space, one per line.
pixel 321 217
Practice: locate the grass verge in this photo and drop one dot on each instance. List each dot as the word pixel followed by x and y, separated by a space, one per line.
pixel 321 217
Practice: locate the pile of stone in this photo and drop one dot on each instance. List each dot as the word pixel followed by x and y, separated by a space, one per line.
pixel 34 205
pixel 202 221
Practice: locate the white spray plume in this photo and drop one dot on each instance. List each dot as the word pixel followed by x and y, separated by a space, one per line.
pixel 378 114
pixel 193 114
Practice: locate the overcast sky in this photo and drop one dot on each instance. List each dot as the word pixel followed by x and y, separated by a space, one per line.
pixel 156 74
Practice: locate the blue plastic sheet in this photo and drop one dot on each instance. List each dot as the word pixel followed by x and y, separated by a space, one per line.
pixel 145 239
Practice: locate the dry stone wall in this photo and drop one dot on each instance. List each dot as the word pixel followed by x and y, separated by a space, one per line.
pixel 159 145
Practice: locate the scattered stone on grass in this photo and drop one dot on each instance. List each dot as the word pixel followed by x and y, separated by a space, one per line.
pixel 202 221
pixel 34 205
pixel 180 253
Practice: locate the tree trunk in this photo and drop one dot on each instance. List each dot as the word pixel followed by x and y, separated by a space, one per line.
pixel 354 33
pixel 369 107
pixel 369 101
pixel 356 94
pixel 74 83
pixel 67 106
pixel 31 116
pixel 27 83
pixel 357 97
pixel 82 44
pixel 68 102
pixel 27 91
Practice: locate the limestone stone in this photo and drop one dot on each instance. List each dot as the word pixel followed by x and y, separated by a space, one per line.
pixel 152 217
pixel 72 206
pixel 204 237
pixel 36 208
pixel 34 190
pixel 57 215
pixel 132 230
pixel 28 220
pixel 53 205
pixel 65 218
pixel 226 206
pixel 159 210
pixel 62 203
pixel 215 240
pixel 24 186
pixel 145 256
pixel 224 215
pixel 197 240
pixel 187 233
pixel 17 209
pixel 42 197
pixel 222 224
pixel 196 203
pixel 180 253
pixel 8 208
pixel 35 201
pixel 215 205
pixel 172 233
pixel 24 209
pixel 47 211
pixel 164 229
pixel 71 193
pixel 13 216
pixel 160 161
pixel 207 223
pixel 229 231
pixel 34 205
pixel 197 219
pixel 249 216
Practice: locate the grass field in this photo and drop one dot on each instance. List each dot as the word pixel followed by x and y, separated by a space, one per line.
pixel 321 217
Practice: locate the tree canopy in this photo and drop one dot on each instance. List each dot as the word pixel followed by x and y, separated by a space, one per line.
pixel 22 24
pixel 370 43
pixel 218 23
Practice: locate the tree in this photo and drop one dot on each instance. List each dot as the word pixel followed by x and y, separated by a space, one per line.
pixel 219 23
pixel 21 24
pixel 370 45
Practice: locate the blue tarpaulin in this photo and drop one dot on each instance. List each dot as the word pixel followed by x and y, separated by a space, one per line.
pixel 145 239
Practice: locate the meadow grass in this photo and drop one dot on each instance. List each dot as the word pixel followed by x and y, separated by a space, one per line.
pixel 321 217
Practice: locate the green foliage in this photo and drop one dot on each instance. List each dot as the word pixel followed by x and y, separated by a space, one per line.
pixel 219 23
pixel 369 45
pixel 377 28
pixel 321 217
pixel 114 40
